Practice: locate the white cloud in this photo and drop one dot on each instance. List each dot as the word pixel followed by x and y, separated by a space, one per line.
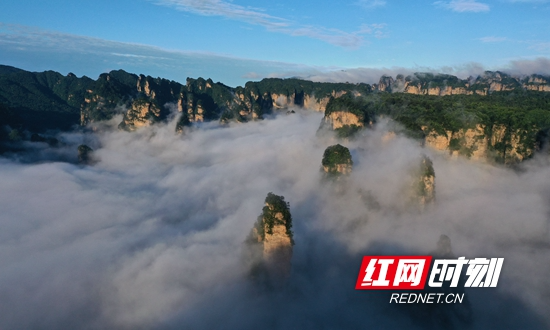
pixel 492 39
pixel 38 50
pixel 528 1
pixel 462 6
pixel 378 30
pixel 255 16
pixel 371 4
pixel 151 236
pixel 229 10
pixel 540 65
pixel 372 75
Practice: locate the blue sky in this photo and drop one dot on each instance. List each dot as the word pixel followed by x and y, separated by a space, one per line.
pixel 239 40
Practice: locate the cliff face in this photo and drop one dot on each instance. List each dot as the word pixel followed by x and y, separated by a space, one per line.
pixel 442 84
pixel 481 143
pixel 48 100
pixel 201 100
pixel 141 113
pixel 277 247
pixel 339 119
pixel 272 235
pixel 142 99
pixel 251 103
pixel 471 142
pixel 345 116
pixel 537 83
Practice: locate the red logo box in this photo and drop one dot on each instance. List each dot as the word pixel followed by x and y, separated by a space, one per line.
pixel 393 272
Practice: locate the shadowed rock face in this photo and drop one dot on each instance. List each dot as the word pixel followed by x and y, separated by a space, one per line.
pixel 444 248
pixel 271 241
pixel 84 154
pixel 426 182
pixel 278 250
pixel 337 160
pixel 443 316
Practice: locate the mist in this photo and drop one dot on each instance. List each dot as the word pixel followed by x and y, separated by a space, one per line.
pixel 151 235
pixel 519 67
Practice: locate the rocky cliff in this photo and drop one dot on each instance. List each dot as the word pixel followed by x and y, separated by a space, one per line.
pixel 481 143
pixel 425 185
pixel 201 99
pixel 337 160
pixel 443 84
pixel 340 119
pixel 272 237
pixel 346 116
pixel 48 100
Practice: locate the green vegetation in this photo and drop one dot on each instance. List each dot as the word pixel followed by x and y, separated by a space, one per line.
pixel 430 80
pixel 274 204
pixel 427 174
pixel 301 88
pixel 36 100
pixel 49 100
pixel 347 131
pixel 336 155
pixel 521 118
pixel 347 103
pixel 362 107
pixel 427 168
pixel 516 122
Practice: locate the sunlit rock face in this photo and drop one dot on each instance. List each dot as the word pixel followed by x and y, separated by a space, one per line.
pixel 141 113
pixel 337 160
pixel 444 84
pixel 481 143
pixel 339 119
pixel 270 242
pixel 345 117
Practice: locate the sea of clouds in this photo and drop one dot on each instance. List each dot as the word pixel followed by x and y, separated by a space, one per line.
pixel 151 235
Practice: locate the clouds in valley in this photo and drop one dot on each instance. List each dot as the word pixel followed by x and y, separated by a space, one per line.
pixel 152 234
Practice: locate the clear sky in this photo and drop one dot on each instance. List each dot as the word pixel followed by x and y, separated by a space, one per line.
pixel 237 40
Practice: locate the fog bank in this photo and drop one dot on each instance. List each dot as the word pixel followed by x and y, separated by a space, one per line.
pixel 151 235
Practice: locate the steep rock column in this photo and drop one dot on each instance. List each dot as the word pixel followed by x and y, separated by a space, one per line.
pixel 337 160
pixel 426 182
pixel 273 233
pixel 84 154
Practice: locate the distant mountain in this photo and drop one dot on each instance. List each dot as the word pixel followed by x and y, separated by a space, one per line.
pixel 493 115
pixel 49 100
pixel 444 84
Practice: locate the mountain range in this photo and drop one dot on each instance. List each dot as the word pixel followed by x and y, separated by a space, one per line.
pixel 493 116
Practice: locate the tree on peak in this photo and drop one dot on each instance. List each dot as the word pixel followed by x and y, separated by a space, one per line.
pixel 275 212
pixel 337 160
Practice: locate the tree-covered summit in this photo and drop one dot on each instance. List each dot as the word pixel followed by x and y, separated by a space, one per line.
pixel 275 212
pixel 337 160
